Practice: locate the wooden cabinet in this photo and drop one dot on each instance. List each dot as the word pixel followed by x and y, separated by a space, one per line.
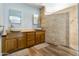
pixel 21 40
pixel 16 41
pixel 30 38
pixel 9 45
pixel 21 43
pixel 40 37
pixel 13 41
pixel 35 37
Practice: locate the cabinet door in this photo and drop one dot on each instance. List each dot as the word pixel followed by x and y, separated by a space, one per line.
pixel 40 37
pixel 30 38
pixel 10 45
pixel 30 43
pixel 21 43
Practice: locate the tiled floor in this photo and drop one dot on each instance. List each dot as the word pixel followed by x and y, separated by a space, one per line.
pixel 44 49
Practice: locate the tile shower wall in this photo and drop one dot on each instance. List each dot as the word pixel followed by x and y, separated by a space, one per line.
pixel 55 32
pixel 56 29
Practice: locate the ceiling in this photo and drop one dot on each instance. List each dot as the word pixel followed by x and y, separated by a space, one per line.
pixel 52 7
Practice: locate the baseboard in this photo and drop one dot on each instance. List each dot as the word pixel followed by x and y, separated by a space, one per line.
pixel 52 44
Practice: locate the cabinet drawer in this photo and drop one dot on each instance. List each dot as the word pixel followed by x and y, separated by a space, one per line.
pixel 30 36
pixel 30 43
pixel 30 33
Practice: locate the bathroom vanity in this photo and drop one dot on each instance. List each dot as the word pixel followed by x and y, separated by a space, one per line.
pixel 18 40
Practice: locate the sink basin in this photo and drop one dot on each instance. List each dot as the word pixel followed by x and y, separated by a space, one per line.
pixel 38 29
pixel 15 29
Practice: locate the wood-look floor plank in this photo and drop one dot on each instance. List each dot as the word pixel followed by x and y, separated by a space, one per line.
pixel 52 51
pixel 58 51
pixel 49 50
pixel 44 53
pixel 31 52
pixel 37 51
pixel 68 50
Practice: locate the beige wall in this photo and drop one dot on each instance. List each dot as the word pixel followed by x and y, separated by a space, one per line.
pixel 73 37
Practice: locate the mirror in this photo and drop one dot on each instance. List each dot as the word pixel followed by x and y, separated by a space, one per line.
pixel 14 16
pixel 36 21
